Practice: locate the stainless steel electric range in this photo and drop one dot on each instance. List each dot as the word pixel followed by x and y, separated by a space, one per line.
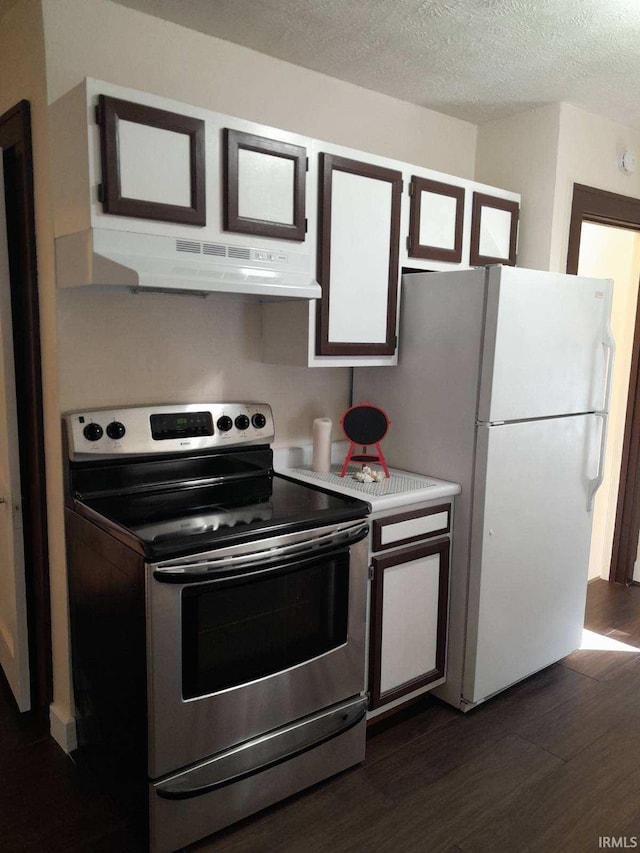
pixel 217 614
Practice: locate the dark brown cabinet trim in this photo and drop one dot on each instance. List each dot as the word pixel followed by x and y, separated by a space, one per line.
pixel 380 564
pixel 17 162
pixel 110 112
pixel 328 164
pixel 417 249
pixel 481 200
pixel 380 523
pixel 234 142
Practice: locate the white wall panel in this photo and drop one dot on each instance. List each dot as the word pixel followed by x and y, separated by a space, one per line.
pixel 360 232
pixel 265 186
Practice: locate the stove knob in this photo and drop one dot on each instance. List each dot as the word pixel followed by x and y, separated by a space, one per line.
pixel 224 423
pixel 242 422
pixel 259 420
pixel 92 432
pixel 116 430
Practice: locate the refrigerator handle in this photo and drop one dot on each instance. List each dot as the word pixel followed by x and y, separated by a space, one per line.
pixel 595 484
pixel 609 344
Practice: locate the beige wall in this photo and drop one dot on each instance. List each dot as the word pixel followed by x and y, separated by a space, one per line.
pixel 541 154
pixel 22 57
pixel 157 348
pixel 519 153
pixel 97 38
pixel 121 348
pixel 588 151
pixel 22 75
pixel 612 253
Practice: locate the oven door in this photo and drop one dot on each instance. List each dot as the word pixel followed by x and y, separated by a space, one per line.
pixel 251 637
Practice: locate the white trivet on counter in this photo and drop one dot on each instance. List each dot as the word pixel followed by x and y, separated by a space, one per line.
pixel 395 485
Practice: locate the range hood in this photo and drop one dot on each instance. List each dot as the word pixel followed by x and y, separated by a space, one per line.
pixel 110 257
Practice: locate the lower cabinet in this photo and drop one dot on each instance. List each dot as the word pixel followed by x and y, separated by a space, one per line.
pixel 409 605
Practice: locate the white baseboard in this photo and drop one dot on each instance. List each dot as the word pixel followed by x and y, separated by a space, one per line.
pixel 63 728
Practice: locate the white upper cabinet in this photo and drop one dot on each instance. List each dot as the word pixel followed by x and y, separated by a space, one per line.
pixel 436 220
pixel 494 229
pixel 358 236
pixel 152 193
pixel 362 253
pixel 265 186
pixel 360 219
pixel 447 218
pixel 152 162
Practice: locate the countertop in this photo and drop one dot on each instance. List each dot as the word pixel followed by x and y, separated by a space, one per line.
pixel 401 489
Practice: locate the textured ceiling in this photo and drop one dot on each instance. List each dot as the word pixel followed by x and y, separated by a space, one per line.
pixel 475 59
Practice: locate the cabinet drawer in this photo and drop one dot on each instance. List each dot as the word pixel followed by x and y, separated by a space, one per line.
pixel 411 526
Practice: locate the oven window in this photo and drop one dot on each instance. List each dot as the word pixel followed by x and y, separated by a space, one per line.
pixel 236 633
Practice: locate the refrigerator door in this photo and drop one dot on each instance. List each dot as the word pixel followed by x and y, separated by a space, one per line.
pixel 547 345
pixel 530 542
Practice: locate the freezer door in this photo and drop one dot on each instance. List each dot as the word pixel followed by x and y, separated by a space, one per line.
pixel 547 344
pixel 530 542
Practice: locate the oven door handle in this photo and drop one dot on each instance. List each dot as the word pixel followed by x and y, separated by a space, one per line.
pixel 245 563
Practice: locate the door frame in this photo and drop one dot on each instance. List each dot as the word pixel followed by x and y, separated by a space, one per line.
pixel 15 140
pixel 607 208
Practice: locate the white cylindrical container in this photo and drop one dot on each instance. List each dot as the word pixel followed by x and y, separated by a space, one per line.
pixel 321 445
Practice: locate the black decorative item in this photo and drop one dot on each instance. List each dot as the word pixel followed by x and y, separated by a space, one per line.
pixel 365 425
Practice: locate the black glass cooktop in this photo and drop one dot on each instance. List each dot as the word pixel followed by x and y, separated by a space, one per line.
pixel 186 518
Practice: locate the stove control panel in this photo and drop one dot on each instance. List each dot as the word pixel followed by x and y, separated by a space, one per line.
pixel 137 430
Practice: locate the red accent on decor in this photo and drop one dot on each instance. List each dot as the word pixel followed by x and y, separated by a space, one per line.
pixel 374 436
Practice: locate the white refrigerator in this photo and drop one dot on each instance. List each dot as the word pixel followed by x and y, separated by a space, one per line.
pixel 503 385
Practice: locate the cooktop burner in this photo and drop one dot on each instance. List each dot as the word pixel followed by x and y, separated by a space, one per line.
pixel 168 523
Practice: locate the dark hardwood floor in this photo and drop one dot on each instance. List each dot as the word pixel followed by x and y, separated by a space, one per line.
pixel 550 765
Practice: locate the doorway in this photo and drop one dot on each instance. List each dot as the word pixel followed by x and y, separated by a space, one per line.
pixel 610 252
pixel 21 303
pixel 604 241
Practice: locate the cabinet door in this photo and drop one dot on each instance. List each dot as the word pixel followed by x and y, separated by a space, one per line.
pixel 358 247
pixel 494 230
pixel 408 621
pixel 264 186
pixel 436 220
pixel 152 162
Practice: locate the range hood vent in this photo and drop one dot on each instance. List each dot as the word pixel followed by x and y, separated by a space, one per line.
pixel 239 252
pixel 101 256
pixel 188 246
pixel 214 249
